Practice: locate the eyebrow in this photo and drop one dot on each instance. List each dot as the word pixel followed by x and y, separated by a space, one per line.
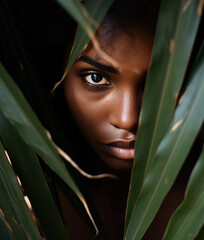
pixel 97 64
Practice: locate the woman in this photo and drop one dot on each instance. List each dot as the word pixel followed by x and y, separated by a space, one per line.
pixel 104 96
pixel 105 100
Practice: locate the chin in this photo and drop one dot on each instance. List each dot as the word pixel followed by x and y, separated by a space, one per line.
pixel 119 164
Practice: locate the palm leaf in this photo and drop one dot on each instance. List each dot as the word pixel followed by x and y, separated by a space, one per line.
pixel 19 55
pixel 175 35
pixel 171 152
pixel 27 167
pixel 5 232
pixel 14 211
pixel 189 218
pixel 21 116
pixel 94 12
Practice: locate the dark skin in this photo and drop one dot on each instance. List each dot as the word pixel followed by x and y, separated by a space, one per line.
pixel 105 101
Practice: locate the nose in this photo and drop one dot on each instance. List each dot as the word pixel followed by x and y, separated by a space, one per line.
pixel 125 111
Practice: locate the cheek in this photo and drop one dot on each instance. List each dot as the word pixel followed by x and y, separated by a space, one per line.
pixel 89 110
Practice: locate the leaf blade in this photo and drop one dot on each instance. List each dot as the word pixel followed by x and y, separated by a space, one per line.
pixel 17 110
pixel 189 214
pixel 95 11
pixel 162 86
pixel 21 116
pixel 12 205
pixel 28 168
pixel 171 153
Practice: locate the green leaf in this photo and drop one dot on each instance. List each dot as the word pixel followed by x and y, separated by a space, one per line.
pixel 175 35
pixel 171 152
pixel 18 112
pixel 27 168
pixel 5 231
pixel 189 218
pixel 13 208
pixel 96 12
pixel 16 109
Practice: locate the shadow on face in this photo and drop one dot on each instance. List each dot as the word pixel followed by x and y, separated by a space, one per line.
pixel 105 99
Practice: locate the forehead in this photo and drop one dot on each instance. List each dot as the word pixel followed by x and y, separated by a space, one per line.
pixel 124 46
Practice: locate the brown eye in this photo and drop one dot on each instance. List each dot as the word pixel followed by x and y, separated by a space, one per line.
pixel 94 78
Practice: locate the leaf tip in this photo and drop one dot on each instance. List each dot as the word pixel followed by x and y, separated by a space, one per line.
pixel 58 83
pixel 89 214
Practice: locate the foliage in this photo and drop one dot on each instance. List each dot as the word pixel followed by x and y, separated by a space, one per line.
pixel 169 125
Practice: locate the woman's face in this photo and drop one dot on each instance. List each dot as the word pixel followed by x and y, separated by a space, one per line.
pixel 105 99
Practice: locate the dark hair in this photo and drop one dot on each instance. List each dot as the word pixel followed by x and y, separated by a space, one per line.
pixel 134 13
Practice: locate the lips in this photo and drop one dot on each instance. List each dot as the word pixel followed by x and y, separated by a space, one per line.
pixel 121 149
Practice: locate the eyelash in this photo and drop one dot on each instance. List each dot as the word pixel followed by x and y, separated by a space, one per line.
pixel 97 73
